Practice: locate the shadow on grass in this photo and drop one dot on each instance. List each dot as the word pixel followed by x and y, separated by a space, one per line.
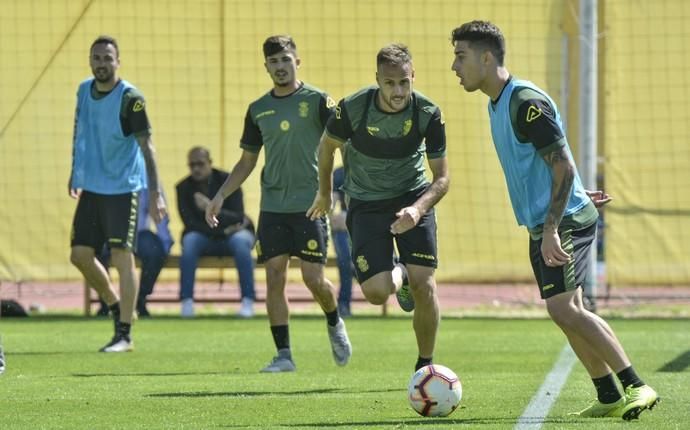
pixel 197 394
pixel 678 364
pixel 13 353
pixel 318 391
pixel 102 375
pixel 421 422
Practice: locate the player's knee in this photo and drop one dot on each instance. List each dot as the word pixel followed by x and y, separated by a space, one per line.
pixel 375 294
pixel 80 258
pixel 563 314
pixel 122 257
pixel 275 274
pixel 423 290
pixel 314 280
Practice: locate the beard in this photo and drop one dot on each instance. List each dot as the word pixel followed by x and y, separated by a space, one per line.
pixel 102 76
pixel 395 106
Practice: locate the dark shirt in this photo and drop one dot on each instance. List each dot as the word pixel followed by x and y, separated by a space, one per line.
pixel 194 219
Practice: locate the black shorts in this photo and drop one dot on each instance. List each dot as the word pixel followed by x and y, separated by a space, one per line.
pixel 105 219
pixel 293 234
pixel 369 224
pixel 556 280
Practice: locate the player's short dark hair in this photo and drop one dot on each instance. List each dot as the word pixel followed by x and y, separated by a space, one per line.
pixel 279 43
pixel 105 39
pixel 395 54
pixel 482 34
pixel 200 150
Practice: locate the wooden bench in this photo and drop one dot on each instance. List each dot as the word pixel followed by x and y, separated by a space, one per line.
pixel 211 262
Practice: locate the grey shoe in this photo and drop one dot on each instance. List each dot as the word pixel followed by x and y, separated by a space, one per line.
pixel 340 343
pixel 404 294
pixel 279 364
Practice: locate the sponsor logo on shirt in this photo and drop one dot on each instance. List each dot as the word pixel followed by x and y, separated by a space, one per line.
pixel 285 125
pixel 138 106
pixel 265 113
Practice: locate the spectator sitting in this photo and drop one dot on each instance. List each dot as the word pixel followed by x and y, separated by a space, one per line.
pixel 234 236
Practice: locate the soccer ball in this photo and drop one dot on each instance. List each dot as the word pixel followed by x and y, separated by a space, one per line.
pixel 434 391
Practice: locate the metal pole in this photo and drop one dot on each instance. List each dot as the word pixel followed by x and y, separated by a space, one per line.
pixel 588 30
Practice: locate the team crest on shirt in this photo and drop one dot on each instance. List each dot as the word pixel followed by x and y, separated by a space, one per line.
pixel 533 113
pixel 285 125
pixel 303 108
pixel 407 126
pixel 312 245
pixel 362 263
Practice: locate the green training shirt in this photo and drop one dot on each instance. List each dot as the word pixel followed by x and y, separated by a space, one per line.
pixel 290 128
pixel 384 157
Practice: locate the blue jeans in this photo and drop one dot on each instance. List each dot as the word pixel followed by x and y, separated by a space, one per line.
pixel 238 245
pixel 152 254
pixel 341 242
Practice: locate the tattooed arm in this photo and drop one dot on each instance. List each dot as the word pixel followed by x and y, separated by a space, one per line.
pixel 563 172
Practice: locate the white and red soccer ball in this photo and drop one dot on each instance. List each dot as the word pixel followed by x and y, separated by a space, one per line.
pixel 434 391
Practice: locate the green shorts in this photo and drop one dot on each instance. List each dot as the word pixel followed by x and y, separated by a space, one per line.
pixel 556 280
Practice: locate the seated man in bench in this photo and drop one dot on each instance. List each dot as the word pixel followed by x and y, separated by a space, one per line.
pixel 234 236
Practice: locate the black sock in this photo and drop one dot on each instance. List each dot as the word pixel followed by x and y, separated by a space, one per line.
pixel 607 392
pixel 628 377
pixel 332 317
pixel 421 362
pixel 281 336
pixel 115 310
pixel 124 328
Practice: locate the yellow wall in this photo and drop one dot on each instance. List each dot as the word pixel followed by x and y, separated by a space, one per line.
pixel 199 64
pixel 646 118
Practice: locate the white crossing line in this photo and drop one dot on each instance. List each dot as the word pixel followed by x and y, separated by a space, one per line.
pixel 532 417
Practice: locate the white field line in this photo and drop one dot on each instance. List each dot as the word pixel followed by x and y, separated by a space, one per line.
pixel 537 410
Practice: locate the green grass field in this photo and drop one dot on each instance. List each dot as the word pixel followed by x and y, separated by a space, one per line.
pixel 204 374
